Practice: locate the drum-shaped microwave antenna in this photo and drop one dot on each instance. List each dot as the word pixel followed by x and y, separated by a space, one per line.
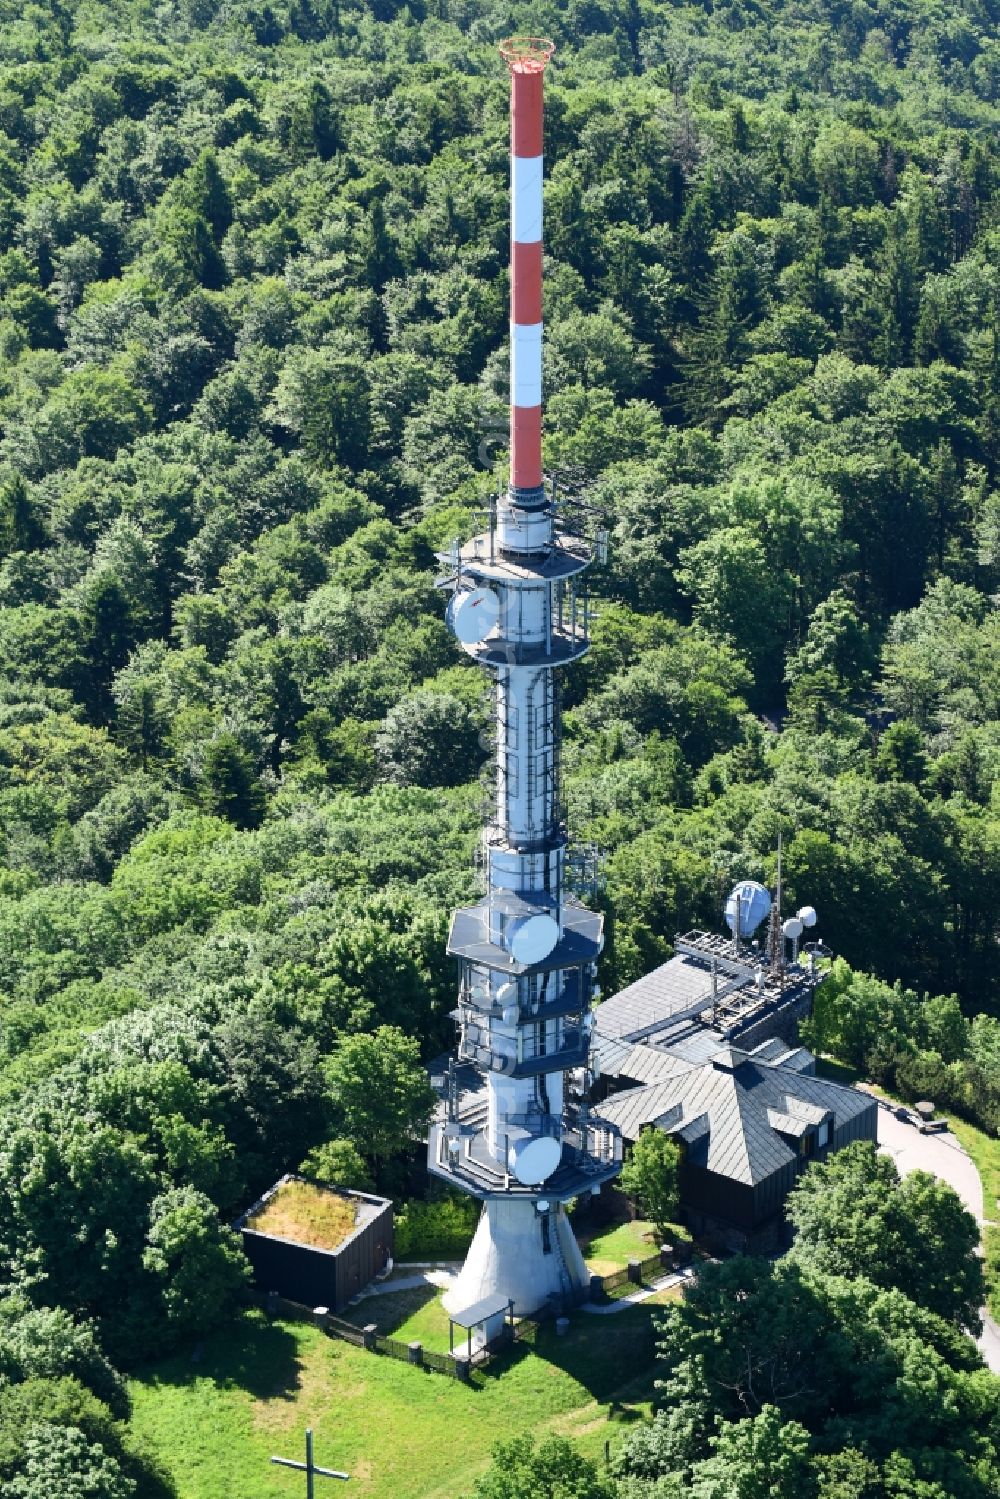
pixel 533 1160
pixel 506 998
pixel 792 929
pixel 531 938
pixel 807 916
pixel 754 904
pixel 472 614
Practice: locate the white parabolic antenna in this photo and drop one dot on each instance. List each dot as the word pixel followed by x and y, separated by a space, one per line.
pixel 792 928
pixel 472 614
pixel 533 1161
pixel 530 939
pixel 807 916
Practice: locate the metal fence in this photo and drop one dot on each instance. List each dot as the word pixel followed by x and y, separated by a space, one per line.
pixel 338 1328
pixel 392 1346
pixel 525 1330
pixel 636 1273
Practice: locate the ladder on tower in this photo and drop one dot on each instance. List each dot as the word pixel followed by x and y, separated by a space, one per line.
pixel 565 1280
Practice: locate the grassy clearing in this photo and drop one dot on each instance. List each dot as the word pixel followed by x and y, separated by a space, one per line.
pixel 611 1248
pixel 401 1433
pixel 307 1214
pixel 837 1072
pixel 985 1151
pixel 414 1316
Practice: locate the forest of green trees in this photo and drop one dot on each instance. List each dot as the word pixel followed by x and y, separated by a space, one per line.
pixel 253 296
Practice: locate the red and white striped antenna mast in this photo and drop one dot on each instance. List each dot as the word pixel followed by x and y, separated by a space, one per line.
pixel 527 58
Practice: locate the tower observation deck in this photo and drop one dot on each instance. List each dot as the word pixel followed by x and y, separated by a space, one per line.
pixel 507 1130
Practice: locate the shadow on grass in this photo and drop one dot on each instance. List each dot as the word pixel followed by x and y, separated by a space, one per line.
pixel 390 1311
pixel 612 1358
pixel 837 1072
pixel 251 1353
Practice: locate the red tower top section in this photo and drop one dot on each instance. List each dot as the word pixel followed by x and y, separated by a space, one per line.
pixel 526 57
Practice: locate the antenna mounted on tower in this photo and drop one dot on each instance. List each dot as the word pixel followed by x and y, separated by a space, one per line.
pixel 526 54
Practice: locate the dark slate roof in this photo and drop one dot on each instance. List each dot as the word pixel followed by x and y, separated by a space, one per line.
pixel 733 1111
pixel 778 1054
pixel 769 1051
pixel 692 1043
pixel 640 1064
pixel 637 1107
pixel 799 1059
pixel 786 1124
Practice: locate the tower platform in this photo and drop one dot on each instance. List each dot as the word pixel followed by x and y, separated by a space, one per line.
pixel 591 1155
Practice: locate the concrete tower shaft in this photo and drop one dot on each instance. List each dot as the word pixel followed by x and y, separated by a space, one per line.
pixel 527 952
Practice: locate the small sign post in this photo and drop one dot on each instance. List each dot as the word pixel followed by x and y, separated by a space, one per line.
pixel 309 1467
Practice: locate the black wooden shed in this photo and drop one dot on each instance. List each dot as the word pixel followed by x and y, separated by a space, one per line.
pixel 320 1277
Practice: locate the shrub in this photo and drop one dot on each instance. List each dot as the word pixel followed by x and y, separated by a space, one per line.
pixel 442 1228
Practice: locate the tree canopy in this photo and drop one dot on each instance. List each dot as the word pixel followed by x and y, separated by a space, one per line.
pixel 253 329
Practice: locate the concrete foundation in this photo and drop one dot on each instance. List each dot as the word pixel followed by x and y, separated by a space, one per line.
pixel 522 1255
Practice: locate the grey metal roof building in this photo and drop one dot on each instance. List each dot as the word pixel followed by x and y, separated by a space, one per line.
pixel 707 1051
pixel 747 1125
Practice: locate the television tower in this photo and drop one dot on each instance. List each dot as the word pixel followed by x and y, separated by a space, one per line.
pixel 508 1131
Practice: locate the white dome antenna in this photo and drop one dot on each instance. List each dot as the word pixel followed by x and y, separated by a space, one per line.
pixel 748 905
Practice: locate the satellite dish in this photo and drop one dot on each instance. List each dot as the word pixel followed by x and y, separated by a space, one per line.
pixel 754 906
pixel 792 928
pixel 507 995
pixel 531 938
pixel 807 916
pixel 533 1161
pixel 472 614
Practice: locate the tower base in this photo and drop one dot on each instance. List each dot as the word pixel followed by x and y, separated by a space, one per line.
pixel 514 1255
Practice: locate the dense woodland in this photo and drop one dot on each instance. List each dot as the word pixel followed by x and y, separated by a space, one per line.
pixel 252 378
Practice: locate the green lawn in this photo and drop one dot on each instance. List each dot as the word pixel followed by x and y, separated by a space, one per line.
pixel 400 1432
pixel 837 1072
pixel 415 1316
pixel 612 1248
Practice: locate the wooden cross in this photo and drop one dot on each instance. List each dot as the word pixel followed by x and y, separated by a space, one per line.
pixel 309 1468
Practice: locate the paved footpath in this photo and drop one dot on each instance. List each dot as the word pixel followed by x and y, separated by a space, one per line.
pixel 442 1276
pixel 608 1309
pixel 941 1154
pixel 424 1275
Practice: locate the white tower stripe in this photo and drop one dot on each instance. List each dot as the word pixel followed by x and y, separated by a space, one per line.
pixel 526 199
pixel 526 364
